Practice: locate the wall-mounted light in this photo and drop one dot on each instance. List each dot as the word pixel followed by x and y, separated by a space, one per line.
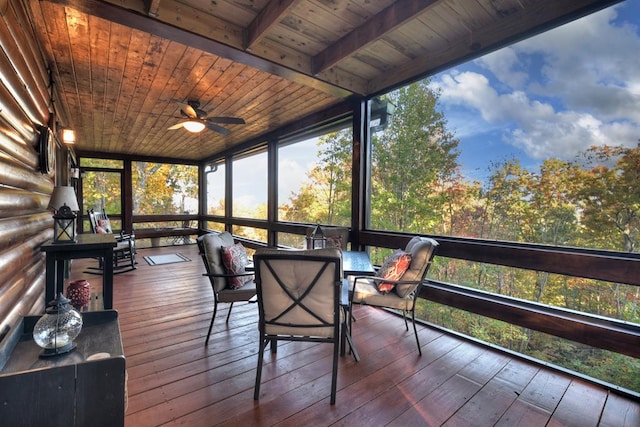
pixel 193 126
pixel 68 136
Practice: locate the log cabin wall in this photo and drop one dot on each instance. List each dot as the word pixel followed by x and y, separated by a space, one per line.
pixel 25 222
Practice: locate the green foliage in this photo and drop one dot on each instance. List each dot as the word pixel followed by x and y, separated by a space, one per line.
pixel 326 199
pixel 161 188
pixel 414 164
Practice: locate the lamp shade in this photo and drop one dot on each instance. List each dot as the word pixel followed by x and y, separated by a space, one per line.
pixel 64 195
pixel 193 126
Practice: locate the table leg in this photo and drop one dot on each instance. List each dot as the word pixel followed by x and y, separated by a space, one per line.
pixel 107 279
pixel 50 280
pixel 346 331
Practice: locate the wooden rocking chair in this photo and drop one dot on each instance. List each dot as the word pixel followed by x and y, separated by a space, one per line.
pixel 124 254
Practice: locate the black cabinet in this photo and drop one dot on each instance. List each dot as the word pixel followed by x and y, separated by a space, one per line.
pixel 85 387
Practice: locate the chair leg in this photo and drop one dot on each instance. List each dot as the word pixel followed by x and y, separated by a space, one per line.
pixel 215 310
pixel 256 388
pixel 415 330
pixel 404 316
pixel 229 313
pixel 334 374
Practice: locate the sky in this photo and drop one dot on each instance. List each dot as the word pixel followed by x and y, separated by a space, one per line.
pixel 550 96
pixel 553 95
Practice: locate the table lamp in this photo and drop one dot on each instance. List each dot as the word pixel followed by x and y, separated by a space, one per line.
pixel 64 202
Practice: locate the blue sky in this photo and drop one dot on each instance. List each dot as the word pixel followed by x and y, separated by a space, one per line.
pixel 553 95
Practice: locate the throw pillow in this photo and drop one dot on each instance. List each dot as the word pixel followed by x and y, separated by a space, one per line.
pixel 393 268
pixel 105 224
pixel 234 259
pixel 334 242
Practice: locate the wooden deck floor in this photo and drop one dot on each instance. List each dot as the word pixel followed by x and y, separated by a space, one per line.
pixel 173 379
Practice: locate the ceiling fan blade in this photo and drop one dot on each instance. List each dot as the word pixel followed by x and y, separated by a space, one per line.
pixel 217 128
pixel 188 111
pixel 174 127
pixel 227 120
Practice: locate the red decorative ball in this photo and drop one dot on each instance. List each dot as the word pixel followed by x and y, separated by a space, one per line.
pixel 79 293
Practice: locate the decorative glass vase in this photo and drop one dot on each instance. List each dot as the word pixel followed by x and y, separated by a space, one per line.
pixel 56 330
pixel 79 293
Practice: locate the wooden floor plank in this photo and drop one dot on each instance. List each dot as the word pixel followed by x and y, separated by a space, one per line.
pixel 174 379
pixel 620 412
pixel 581 405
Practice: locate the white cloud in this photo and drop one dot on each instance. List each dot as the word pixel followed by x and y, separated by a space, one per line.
pixel 558 93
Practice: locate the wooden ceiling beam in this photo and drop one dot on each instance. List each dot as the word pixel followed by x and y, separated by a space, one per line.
pixel 375 28
pixel 152 7
pixel 266 19
pixel 137 19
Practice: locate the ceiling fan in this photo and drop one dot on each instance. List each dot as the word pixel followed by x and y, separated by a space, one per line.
pixel 198 119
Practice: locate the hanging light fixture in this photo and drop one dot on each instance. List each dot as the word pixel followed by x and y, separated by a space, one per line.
pixel 193 126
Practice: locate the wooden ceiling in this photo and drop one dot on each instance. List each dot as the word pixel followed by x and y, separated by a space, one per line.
pixel 121 67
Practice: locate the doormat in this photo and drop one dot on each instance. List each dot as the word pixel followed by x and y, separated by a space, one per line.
pixel 165 259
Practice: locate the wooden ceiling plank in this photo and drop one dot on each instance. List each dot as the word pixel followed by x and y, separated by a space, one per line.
pixel 57 37
pixel 99 35
pixel 268 17
pixel 385 21
pixel 232 49
pixel 119 42
pixel 132 69
pixel 238 13
pixel 165 63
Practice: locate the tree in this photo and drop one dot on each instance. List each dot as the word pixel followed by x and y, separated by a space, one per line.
pixel 326 199
pixel 414 161
pixel 610 197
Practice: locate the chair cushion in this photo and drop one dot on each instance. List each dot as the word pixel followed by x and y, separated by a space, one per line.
pixel 393 268
pixel 211 244
pixel 365 291
pixel 246 292
pixel 235 260
pixel 295 274
pixel 421 250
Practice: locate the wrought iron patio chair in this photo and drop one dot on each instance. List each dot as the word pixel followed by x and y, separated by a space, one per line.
pixel 364 289
pixel 210 246
pixel 299 295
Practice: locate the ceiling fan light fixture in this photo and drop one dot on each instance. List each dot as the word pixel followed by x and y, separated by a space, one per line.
pixel 193 126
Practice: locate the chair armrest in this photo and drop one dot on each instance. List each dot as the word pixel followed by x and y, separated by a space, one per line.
pixel 228 275
pixel 125 236
pixel 395 282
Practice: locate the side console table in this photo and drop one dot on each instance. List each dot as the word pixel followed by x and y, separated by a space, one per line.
pixel 87 246
pixel 66 390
